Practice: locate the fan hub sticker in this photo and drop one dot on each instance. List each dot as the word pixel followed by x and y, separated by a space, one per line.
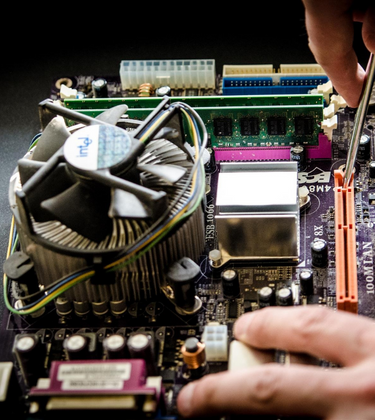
pixel 97 147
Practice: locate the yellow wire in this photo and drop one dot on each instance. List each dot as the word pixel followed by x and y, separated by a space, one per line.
pixel 89 274
pixel 159 120
pixel 58 292
pixel 11 232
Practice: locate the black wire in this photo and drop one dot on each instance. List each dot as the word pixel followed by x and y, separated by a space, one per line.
pixel 153 228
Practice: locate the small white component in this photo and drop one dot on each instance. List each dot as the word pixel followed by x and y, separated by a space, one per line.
pixel 174 73
pixel 67 93
pixel 303 195
pixel 242 356
pixel 215 338
pixel 326 89
pixel 328 125
pixel 296 293
pixel 338 102
pixel 310 69
pixel 245 70
pixel 329 111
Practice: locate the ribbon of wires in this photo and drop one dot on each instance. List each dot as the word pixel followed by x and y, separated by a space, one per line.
pixel 194 187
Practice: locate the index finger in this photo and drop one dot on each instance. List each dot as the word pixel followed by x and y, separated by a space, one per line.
pixel 336 336
pixel 330 29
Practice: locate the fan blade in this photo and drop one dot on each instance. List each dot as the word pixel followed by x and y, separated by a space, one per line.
pixel 169 173
pixel 51 140
pixel 126 205
pixel 27 168
pixel 57 181
pixel 156 201
pixel 112 115
pixel 82 209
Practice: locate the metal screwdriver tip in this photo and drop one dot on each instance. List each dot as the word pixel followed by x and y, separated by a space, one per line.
pixel 359 121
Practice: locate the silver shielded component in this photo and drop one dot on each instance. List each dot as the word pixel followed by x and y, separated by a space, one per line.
pixel 257 211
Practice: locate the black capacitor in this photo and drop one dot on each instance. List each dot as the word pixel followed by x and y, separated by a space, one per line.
pixel 364 148
pixel 371 167
pixel 140 346
pixel 115 347
pixel 230 283
pixel 306 281
pixel 298 154
pixel 191 344
pixel 319 253
pixel 77 347
pixel 266 297
pixel 182 276
pixel 30 353
pixel 284 297
pixel 99 88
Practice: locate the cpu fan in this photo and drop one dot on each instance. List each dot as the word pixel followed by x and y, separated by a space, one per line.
pixel 96 189
pixel 91 177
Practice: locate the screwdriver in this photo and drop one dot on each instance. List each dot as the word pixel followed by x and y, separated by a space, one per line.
pixel 359 120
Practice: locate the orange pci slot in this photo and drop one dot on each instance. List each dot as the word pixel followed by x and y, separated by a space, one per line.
pixel 346 247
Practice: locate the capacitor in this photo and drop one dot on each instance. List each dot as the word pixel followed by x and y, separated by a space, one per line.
pixel 163 91
pixel 30 353
pixel 194 356
pixel 298 154
pixel 140 346
pixel 115 347
pixel 77 347
pixel 182 276
pixel 306 281
pixel 364 148
pixel 372 169
pixel 99 88
pixel 284 297
pixel 266 297
pixel 230 283
pixel 319 252
pixel 63 306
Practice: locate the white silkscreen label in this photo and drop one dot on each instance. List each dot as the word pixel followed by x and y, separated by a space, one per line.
pixel 93 376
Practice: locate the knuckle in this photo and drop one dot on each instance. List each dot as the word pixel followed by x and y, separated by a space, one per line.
pixel 309 322
pixel 264 388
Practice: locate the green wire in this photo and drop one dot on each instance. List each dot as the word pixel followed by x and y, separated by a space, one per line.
pixel 72 283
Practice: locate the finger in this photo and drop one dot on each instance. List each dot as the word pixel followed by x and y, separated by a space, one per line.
pixel 268 389
pixel 368 29
pixel 330 39
pixel 319 331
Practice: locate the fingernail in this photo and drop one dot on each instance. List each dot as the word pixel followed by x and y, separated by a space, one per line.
pixel 241 326
pixel 185 398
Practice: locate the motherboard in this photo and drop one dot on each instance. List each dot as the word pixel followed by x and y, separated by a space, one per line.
pixel 157 206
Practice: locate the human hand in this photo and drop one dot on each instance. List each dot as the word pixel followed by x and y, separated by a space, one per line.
pixel 332 394
pixel 330 29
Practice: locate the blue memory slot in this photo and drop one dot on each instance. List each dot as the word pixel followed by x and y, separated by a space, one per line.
pixel 267 90
pixel 266 86
pixel 247 81
pixel 303 80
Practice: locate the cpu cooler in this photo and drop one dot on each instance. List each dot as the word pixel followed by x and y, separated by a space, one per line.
pixel 112 194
